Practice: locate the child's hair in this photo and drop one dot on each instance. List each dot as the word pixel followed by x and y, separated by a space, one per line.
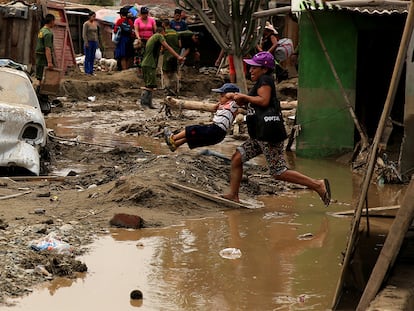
pixel 91 13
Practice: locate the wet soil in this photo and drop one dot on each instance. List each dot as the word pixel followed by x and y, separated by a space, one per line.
pixel 125 178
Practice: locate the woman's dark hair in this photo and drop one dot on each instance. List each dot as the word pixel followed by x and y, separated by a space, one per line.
pixel 91 13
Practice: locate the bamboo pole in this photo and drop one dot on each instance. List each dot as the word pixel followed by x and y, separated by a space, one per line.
pixel 408 30
pixel 362 134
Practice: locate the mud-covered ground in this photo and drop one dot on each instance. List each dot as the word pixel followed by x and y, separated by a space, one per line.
pixel 126 179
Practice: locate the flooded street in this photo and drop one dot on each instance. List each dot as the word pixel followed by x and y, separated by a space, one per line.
pixel 290 258
pixel 290 249
pixel 179 268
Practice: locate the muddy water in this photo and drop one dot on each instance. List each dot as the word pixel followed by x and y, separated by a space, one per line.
pixel 290 258
pixel 290 249
pixel 179 268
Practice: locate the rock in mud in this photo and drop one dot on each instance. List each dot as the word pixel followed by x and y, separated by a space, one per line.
pixel 127 221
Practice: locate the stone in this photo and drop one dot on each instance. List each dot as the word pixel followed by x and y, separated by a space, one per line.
pixel 126 221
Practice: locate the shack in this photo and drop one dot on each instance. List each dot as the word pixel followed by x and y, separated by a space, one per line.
pixel 20 23
pixel 362 43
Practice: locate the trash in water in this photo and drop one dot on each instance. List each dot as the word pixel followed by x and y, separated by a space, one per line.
pixel 53 243
pixel 230 253
pixel 305 236
pixel 40 269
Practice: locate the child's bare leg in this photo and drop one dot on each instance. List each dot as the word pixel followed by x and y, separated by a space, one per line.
pixel 179 138
pixel 180 142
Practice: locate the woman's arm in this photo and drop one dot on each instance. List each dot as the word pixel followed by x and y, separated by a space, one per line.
pixel 262 99
pixel 84 36
pixel 154 26
pixel 136 28
pixel 274 44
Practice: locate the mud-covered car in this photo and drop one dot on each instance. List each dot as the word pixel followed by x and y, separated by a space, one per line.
pixel 22 126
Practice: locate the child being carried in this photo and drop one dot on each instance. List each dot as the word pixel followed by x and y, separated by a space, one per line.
pixel 210 134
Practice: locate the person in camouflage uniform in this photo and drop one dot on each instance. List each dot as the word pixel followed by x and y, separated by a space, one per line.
pixel 44 46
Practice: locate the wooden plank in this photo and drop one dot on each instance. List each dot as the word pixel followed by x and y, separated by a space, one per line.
pixel 371 209
pixel 391 248
pixel 211 197
pixel 11 196
pixel 38 178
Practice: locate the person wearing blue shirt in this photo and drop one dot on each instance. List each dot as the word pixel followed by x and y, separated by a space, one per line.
pixel 177 23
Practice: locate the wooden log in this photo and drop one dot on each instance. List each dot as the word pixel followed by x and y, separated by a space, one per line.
pixel 190 104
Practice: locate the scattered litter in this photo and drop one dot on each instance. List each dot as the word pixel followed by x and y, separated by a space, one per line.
pixel 42 270
pixel 302 298
pixel 43 195
pixel 136 294
pixel 92 98
pixel 272 215
pixel 39 211
pixel 54 198
pixel 52 243
pixel 305 236
pixel 230 253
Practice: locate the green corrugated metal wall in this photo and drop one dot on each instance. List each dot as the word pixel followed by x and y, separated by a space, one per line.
pixel 327 127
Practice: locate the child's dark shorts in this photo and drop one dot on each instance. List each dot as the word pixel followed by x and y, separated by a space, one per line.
pixel 204 135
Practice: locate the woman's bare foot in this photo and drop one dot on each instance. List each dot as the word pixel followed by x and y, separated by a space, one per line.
pixel 234 198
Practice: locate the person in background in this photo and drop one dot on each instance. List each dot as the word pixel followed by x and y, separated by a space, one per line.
pixel 208 134
pixel 190 42
pixel 90 35
pixel 44 46
pixel 45 58
pixel 170 64
pixel 269 39
pixel 260 96
pixel 144 27
pixel 124 50
pixel 150 62
pixel 177 23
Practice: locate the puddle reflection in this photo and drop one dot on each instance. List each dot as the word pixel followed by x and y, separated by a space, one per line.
pixel 86 129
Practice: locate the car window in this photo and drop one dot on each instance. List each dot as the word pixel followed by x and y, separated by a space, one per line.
pixel 15 89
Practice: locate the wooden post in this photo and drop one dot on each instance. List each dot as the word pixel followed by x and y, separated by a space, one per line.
pixel 391 248
pixel 408 30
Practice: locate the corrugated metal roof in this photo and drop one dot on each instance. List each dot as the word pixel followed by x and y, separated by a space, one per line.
pixel 377 7
pixel 363 7
pixel 377 11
